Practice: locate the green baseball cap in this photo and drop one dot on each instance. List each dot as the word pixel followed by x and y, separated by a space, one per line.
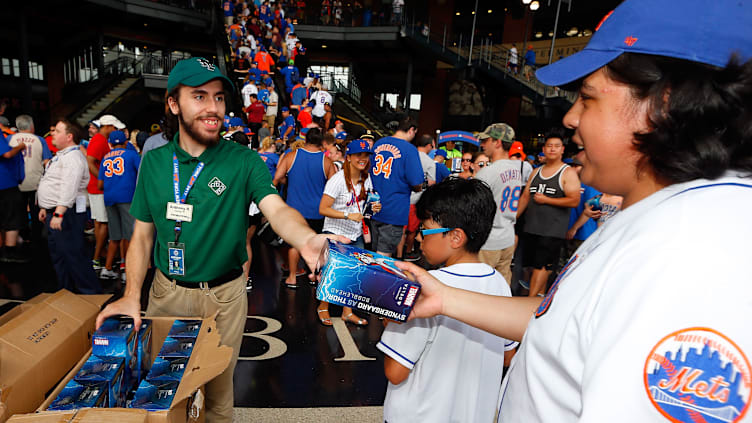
pixel 194 72
pixel 498 131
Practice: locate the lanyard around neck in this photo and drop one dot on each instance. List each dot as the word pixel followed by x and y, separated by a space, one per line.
pixel 176 185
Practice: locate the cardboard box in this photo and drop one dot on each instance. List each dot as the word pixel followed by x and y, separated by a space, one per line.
pixel 365 281
pixel 208 360
pixel 39 343
pixel 89 415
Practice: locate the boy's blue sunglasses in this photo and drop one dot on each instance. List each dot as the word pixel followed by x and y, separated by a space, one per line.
pixel 425 232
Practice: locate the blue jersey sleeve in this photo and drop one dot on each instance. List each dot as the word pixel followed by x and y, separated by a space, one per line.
pixel 413 167
pixel 101 169
pixel 4 147
pixel 46 153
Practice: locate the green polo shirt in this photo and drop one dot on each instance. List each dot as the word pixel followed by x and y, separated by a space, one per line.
pixel 232 177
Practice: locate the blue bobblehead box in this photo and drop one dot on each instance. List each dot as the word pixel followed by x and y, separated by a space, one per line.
pixel 154 396
pixel 185 329
pixel 107 370
pixel 143 352
pixel 365 281
pixel 177 347
pixel 77 395
pixel 116 338
pixel 167 370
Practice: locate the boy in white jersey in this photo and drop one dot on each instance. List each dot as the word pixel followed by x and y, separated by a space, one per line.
pixel 440 369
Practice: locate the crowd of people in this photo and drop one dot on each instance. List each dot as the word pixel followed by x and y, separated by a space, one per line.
pixel 502 230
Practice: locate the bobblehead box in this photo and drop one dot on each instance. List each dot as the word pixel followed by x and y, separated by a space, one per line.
pixel 40 341
pixel 207 360
pixel 365 281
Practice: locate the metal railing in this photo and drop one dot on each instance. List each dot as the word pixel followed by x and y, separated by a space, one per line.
pixel 484 53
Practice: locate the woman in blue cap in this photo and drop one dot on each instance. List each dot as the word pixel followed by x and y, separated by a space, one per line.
pixel 648 321
pixel 342 207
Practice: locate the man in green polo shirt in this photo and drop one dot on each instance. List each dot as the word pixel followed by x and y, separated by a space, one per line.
pixel 195 192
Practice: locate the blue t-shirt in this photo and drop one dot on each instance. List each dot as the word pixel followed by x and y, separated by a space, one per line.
pixel 271 160
pixel 395 170
pixel 289 122
pixel 12 171
pixel 586 192
pixel 291 74
pixel 227 8
pixel 119 171
pixel 441 172
pixel 263 95
pixel 299 95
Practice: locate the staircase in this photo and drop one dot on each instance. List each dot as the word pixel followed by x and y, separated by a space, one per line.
pixel 369 121
pixel 96 107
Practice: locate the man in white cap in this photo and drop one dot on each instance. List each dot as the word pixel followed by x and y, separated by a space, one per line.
pixel 96 150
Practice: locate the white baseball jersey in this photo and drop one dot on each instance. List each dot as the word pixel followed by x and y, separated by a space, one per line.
pixel 507 180
pixel 455 368
pixel 345 200
pixel 650 319
pixel 35 153
pixel 321 97
pixel 429 174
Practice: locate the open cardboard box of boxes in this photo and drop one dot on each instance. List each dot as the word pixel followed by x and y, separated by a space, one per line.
pixel 208 359
pixel 40 341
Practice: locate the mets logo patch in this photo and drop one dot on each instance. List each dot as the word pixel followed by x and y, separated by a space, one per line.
pixel 698 375
pixel 217 186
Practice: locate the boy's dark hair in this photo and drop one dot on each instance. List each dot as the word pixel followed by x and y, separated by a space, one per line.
pixel 314 136
pixel 556 132
pixel 700 115
pixel 423 140
pixel 467 204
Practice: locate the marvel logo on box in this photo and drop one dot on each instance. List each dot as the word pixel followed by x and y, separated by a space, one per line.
pixel 365 281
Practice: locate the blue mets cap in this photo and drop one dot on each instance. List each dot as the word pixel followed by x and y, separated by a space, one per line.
pixel 117 137
pixel 194 72
pixel 442 153
pixel 285 109
pixel 342 135
pixel 236 121
pixel 704 31
pixel 358 146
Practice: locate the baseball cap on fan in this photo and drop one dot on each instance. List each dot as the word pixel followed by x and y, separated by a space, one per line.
pixel 498 131
pixel 194 72
pixel 704 31
pixel 105 120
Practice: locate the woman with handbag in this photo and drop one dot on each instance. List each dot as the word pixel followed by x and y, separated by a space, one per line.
pixel 342 207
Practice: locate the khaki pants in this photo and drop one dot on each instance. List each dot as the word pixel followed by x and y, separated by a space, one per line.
pixel 270 120
pixel 501 260
pixel 230 300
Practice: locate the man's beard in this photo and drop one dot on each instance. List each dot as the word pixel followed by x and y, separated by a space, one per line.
pixel 189 129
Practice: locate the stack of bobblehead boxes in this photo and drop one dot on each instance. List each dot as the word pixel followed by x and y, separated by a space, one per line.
pixel 120 357
pixel 191 348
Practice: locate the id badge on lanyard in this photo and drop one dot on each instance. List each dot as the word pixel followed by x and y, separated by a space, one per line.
pixel 179 212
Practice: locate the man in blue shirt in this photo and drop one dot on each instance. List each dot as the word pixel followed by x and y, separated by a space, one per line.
pixel 529 66
pixel 227 10
pixel 441 170
pixel 117 177
pixel 291 75
pixel 395 173
pixel 12 218
pixel 580 225
pixel 287 128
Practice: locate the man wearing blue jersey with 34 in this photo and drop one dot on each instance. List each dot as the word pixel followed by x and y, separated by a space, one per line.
pixel 395 173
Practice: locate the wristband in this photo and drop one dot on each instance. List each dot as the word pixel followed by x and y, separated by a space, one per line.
pixel 57 215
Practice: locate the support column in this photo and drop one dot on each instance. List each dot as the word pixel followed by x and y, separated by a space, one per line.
pixel 408 84
pixel 23 45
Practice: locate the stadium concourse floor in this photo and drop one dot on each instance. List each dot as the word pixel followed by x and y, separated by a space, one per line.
pixel 291 368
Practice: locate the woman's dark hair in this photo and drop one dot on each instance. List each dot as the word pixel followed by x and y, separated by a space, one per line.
pixel 314 136
pixel 700 115
pixel 467 204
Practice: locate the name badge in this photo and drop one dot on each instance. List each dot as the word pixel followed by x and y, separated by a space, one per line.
pixel 176 258
pixel 177 211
